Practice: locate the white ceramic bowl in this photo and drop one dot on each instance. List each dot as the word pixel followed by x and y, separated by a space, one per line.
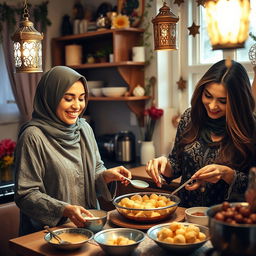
pixel 97 92
pixel 180 249
pixel 192 215
pixel 103 236
pixel 114 91
pixel 95 84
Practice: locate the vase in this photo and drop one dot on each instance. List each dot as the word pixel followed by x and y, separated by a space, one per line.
pixel 6 174
pixel 147 151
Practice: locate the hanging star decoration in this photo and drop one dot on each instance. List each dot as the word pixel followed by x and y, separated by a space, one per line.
pixel 178 2
pixel 200 2
pixel 182 84
pixel 194 29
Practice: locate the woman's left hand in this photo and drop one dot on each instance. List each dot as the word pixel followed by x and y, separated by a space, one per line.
pixel 211 173
pixel 117 174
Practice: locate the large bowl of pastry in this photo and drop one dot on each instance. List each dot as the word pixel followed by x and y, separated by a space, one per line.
pixel 179 237
pixel 146 206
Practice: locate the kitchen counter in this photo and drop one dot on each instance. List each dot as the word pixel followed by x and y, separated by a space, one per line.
pixel 35 245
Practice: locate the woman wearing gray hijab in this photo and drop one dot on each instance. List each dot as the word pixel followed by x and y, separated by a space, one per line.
pixel 59 172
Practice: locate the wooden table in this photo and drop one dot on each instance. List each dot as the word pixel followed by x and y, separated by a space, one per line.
pixel 35 245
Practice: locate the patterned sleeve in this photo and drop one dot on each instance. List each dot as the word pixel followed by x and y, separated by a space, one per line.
pixel 238 186
pixel 184 120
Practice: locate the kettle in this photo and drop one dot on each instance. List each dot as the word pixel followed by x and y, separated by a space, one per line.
pixel 125 146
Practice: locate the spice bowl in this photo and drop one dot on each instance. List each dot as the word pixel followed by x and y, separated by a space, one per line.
pixel 197 215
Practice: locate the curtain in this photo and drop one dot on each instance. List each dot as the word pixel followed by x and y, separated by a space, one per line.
pixel 23 84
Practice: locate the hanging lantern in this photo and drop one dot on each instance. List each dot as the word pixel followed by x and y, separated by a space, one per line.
pixel 27 46
pixel 165 29
pixel 227 23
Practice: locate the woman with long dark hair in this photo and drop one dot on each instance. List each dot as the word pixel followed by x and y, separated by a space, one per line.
pixel 215 140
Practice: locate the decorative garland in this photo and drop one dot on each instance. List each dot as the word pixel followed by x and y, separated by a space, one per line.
pixel 8 13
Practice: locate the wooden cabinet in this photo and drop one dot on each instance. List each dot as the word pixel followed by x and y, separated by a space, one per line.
pixel 121 42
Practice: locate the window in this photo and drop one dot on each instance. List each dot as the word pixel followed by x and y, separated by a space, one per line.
pixel 9 112
pixel 199 50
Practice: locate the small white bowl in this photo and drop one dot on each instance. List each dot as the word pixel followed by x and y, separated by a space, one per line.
pixel 97 92
pixel 192 215
pixel 114 91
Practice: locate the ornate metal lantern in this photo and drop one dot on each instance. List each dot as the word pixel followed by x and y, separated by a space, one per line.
pixel 227 23
pixel 27 46
pixel 165 29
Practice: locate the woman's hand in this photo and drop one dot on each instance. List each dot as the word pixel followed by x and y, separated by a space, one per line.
pixel 158 166
pixel 117 174
pixel 74 213
pixel 211 173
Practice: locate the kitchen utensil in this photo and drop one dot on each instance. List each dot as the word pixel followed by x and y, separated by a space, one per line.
pixel 138 183
pixel 59 239
pixel 103 237
pixel 74 243
pixel 164 206
pixel 97 222
pixel 181 186
pixel 197 215
pixel 183 249
pixel 231 239
pixel 114 91
pixel 125 146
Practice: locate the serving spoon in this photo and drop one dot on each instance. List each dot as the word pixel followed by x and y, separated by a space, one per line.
pixel 59 239
pixel 138 183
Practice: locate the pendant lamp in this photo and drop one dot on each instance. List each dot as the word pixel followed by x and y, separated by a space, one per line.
pixel 164 25
pixel 227 23
pixel 27 42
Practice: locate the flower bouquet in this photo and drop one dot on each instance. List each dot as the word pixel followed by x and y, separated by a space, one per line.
pixel 151 115
pixel 7 147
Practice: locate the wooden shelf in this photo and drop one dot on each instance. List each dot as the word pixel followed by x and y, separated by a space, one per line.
pixel 108 65
pixel 122 98
pixel 98 33
pixel 122 41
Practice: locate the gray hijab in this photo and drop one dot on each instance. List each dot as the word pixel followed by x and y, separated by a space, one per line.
pixel 49 93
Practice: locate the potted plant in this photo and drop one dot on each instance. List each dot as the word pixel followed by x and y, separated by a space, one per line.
pixel 102 55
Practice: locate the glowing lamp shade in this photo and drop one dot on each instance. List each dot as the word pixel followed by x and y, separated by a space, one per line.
pixel 227 23
pixel 27 46
pixel 164 26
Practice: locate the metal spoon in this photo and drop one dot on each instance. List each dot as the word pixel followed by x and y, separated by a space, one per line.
pixel 180 187
pixel 59 239
pixel 138 183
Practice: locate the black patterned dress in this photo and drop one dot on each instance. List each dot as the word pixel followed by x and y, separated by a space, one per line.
pixel 195 156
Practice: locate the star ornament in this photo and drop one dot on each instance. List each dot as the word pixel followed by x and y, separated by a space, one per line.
pixel 200 2
pixel 178 2
pixel 194 30
pixel 182 84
